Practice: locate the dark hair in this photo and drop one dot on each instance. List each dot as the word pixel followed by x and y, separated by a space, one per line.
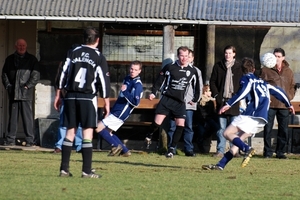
pixel 248 65
pixel 183 48
pixel 279 50
pixel 230 47
pixel 137 62
pixel 90 35
pixel 191 52
pixel 206 88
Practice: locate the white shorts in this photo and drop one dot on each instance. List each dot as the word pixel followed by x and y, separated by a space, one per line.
pixel 248 124
pixel 112 122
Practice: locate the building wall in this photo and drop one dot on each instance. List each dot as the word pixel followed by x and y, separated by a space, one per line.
pixel 250 41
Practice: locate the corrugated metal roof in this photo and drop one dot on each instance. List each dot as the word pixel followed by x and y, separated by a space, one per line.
pixel 95 9
pixel 244 12
pixel 269 11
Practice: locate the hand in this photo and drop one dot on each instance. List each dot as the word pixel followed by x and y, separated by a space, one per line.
pixel 191 103
pixel 292 110
pixel 224 109
pixel 123 87
pixel 105 113
pixel 9 88
pixel 151 97
pixel 57 103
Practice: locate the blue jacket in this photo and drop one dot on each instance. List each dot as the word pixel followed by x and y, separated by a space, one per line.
pixel 128 99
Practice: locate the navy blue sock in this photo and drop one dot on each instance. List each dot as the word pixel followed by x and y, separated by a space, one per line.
pixel 66 149
pixel 105 134
pixel 240 144
pixel 125 150
pixel 226 158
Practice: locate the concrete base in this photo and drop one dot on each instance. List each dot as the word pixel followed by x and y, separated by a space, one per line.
pixel 47 129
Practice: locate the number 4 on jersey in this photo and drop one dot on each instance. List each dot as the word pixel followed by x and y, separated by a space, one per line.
pixel 80 77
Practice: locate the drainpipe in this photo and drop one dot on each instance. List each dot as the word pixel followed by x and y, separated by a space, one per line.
pixel 168 57
pixel 210 52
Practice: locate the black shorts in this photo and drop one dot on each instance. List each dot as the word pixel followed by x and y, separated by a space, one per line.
pixel 80 109
pixel 171 106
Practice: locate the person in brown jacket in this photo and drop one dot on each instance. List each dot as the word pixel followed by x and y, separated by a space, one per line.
pixel 280 75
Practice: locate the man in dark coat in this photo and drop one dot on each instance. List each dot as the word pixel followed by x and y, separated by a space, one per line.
pixel 20 74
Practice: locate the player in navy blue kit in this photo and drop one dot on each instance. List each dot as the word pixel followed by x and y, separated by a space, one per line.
pixel 175 79
pixel 129 98
pixel 256 93
pixel 84 74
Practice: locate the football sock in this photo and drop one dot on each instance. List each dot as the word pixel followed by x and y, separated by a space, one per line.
pixel 87 152
pixel 66 154
pixel 153 127
pixel 120 143
pixel 226 158
pixel 105 134
pixel 240 144
pixel 176 136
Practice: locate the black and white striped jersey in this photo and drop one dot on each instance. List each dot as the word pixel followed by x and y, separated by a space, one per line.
pixel 174 80
pixel 85 70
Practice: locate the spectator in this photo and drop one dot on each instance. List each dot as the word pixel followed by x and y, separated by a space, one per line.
pixel 256 93
pixel 175 78
pixel 85 72
pixel 188 132
pixel 224 83
pixel 282 76
pixel 207 120
pixel 129 98
pixel 20 75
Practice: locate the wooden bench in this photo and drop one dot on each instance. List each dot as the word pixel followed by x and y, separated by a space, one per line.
pixel 144 104
pixel 292 125
pixel 143 108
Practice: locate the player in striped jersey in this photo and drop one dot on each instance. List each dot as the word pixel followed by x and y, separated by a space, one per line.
pixel 174 81
pixel 256 93
pixel 84 73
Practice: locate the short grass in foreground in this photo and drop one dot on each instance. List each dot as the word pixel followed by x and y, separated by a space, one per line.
pixel 34 175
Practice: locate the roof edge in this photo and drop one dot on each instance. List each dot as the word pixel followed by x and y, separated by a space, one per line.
pixel 161 21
